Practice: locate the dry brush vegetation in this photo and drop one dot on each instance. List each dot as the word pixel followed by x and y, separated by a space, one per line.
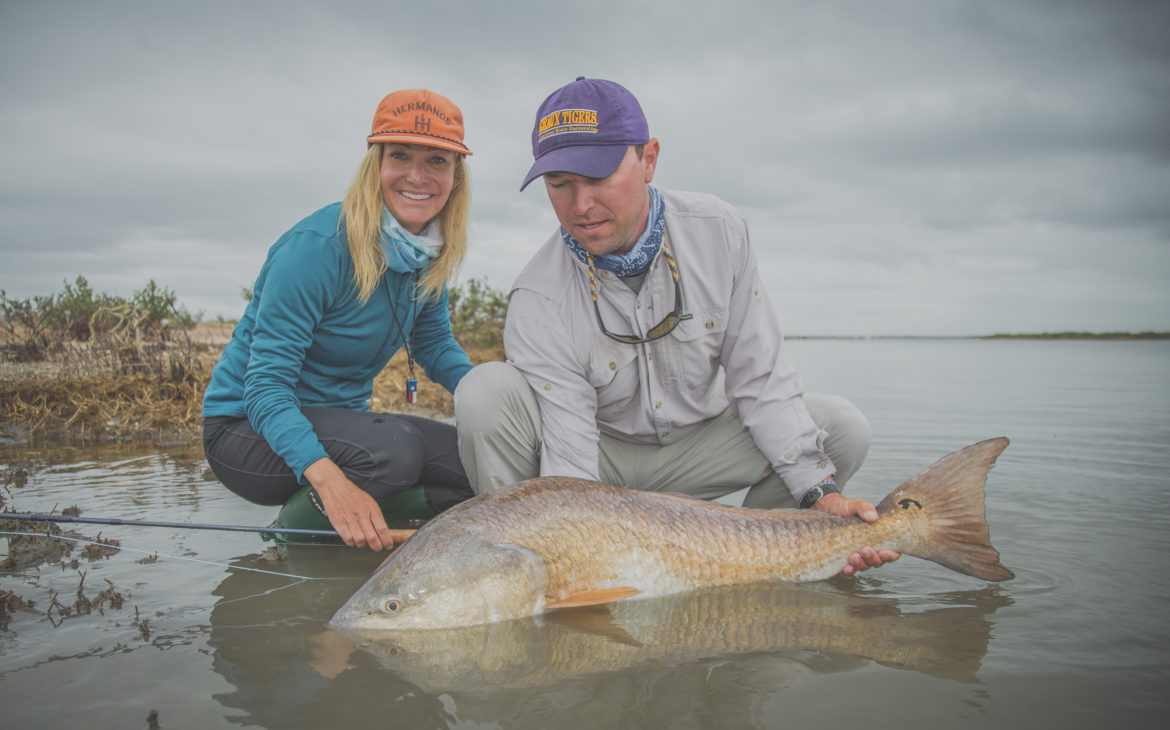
pixel 86 367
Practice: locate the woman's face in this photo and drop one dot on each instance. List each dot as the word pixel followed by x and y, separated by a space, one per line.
pixel 416 182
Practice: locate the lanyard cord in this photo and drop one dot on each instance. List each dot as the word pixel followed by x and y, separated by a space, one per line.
pixel 671 264
pixel 407 343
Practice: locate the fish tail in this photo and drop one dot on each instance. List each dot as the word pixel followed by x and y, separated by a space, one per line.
pixel 945 503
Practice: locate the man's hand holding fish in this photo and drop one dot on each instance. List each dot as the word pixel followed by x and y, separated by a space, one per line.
pixel 866 557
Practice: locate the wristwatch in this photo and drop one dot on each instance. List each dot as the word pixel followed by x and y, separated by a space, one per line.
pixel 813 495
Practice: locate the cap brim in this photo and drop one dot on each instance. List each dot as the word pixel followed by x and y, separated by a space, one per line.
pixel 598 161
pixel 443 144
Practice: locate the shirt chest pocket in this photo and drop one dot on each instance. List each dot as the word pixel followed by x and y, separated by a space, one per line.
pixel 699 342
pixel 611 364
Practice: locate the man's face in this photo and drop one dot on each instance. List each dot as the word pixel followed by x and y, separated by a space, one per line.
pixel 606 215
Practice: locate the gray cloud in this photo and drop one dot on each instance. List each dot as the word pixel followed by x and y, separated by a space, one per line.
pixel 950 167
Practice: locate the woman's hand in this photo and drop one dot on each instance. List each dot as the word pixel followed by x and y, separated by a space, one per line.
pixel 353 513
pixel 866 557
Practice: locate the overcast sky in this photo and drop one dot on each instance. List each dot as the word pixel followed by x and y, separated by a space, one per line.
pixel 906 167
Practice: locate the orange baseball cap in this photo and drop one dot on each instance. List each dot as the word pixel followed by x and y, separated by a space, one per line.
pixel 419 116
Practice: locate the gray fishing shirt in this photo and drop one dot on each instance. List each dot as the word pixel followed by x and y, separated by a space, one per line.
pixel 726 354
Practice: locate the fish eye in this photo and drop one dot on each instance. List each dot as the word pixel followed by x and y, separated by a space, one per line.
pixel 392 605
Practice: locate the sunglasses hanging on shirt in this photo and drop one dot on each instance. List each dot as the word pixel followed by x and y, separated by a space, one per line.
pixel 658 331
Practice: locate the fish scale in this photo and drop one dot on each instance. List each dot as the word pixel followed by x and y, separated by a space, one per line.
pixel 556 542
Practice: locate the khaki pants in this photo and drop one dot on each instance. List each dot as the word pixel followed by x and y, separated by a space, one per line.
pixel 498 420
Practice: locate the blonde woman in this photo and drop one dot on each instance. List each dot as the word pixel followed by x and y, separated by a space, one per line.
pixel 339 294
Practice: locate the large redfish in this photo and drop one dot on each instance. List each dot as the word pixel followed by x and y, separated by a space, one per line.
pixel 552 543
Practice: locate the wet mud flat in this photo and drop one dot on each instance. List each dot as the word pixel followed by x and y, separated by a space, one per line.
pixel 34 546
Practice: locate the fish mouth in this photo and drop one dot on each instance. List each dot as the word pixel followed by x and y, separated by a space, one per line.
pixel 350 617
pixel 364 622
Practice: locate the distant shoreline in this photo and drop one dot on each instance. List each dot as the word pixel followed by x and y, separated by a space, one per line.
pixel 999 336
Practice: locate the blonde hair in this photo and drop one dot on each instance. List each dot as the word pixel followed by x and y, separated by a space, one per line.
pixel 361 216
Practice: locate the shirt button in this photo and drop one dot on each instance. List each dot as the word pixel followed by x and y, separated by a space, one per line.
pixel 613 366
pixel 658 404
pixel 548 386
pixel 665 434
pixel 638 304
pixel 710 324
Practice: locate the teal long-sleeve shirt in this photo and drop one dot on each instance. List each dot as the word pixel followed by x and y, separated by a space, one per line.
pixel 306 340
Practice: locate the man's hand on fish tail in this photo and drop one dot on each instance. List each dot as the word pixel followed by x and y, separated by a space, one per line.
pixel 352 512
pixel 865 557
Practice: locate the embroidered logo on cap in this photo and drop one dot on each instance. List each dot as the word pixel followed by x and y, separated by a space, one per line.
pixel 421 122
pixel 565 121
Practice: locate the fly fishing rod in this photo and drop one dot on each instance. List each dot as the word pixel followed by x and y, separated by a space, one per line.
pixel 152 523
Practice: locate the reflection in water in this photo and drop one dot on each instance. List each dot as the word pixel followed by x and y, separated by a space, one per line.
pixel 655 634
pixel 266 632
pixel 718 654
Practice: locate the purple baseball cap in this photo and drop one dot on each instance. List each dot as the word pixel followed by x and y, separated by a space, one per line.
pixel 584 128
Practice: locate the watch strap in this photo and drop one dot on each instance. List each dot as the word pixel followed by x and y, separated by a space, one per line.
pixel 817 491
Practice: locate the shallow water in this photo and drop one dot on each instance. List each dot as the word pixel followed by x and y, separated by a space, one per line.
pixel 1078 507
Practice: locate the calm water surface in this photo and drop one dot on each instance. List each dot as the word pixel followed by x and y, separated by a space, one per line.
pixel 1078 507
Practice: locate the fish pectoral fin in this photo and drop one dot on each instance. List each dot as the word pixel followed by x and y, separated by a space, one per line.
pixel 592 598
